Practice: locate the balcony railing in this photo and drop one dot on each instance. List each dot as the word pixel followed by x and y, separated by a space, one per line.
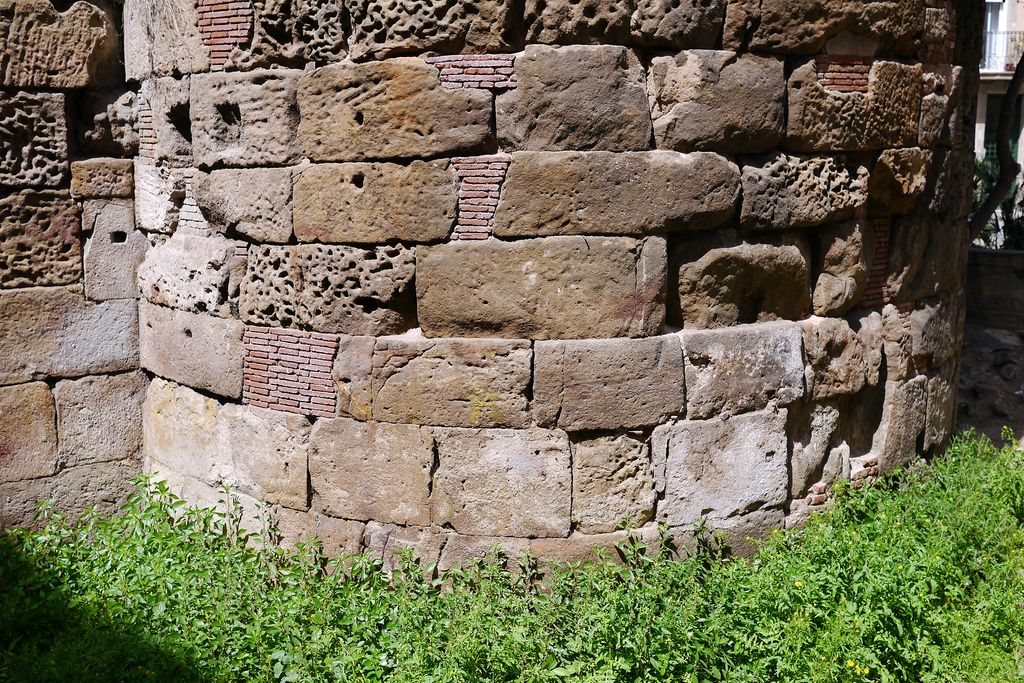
pixel 1002 50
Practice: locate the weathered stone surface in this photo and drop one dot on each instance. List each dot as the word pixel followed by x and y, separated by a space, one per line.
pixel 162 39
pixel 819 454
pixel 252 512
pixel 198 350
pixel 35 138
pixel 784 192
pixel 608 383
pixel 937 329
pixel 904 416
pixel 28 438
pixel 503 482
pixel 717 100
pixel 743 284
pixel 167 128
pixel 898 180
pixel 942 398
pixel 255 202
pixel 261 453
pixel 927 257
pixel 691 24
pixel 942 108
pixel 338 537
pixel 99 418
pixel 245 119
pixel 391 109
pixel 53 332
pixel 842 268
pixel 113 249
pixel 353 375
pixel 342 289
pixel 291 34
pixel 581 548
pixel 835 358
pixel 44 48
pixel 567 22
pixel 602 193
pixel 370 203
pixel 39 239
pixel 612 482
pixel 102 178
pixel 554 287
pixel 387 542
pixel 193 273
pixel 103 485
pixel 742 369
pixel 720 469
pixel 464 551
pixel 372 471
pixel 159 194
pixel 388 28
pixel 600 102
pixel 887 116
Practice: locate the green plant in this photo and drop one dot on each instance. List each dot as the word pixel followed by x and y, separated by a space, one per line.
pixel 1005 230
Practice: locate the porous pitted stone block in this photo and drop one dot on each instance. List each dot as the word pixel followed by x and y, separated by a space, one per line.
pixel 567 22
pixel 28 436
pixel 389 110
pixel 165 128
pixel 371 470
pixel 608 383
pixel 898 180
pixel 159 195
pixel 199 350
pixel 720 468
pixel 99 418
pixel 113 250
pixel 193 273
pixel 546 288
pixel 45 48
pixel 162 39
pixel 717 100
pixel 612 483
pixel 39 244
pixel 53 332
pixel 603 193
pixel 742 369
pixel 283 34
pixel 904 417
pixel 692 24
pixel 245 119
pixel 372 203
pixel 328 288
pixel 835 358
pixel 255 202
pixel 843 255
pixel 35 139
pixel 503 482
pixel 599 104
pixel 102 178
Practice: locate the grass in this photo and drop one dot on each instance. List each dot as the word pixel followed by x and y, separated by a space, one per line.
pixel 919 578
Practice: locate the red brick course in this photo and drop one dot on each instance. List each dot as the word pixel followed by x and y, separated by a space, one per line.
pixel 843 73
pixel 480 180
pixel 487 72
pixel 147 134
pixel 290 370
pixel 223 26
pixel 876 295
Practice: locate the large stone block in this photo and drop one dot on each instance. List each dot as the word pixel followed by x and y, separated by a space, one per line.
pixel 904 418
pixel 28 437
pixel 159 195
pixel 819 453
pixel 950 189
pixel 887 115
pixel 388 28
pixel 39 239
pixel 255 202
pixel 167 128
pixel 835 355
pixel 465 551
pixel 742 369
pixel 45 48
pixel 678 24
pixel 943 107
pixel 338 537
pixel 386 110
pixel 842 266
pixel 349 290
pixel 608 383
pixel 35 139
pixel 784 192
pixel 113 249
pixel 162 39
pixel 600 102
pixel 372 471
pixel 503 482
pixel 54 332
pixel 603 193
pixel 193 273
pixel 388 543
pixel 717 100
pixel 291 34
pixel 199 350
pixel 612 483
pixel 99 418
pixel 720 468
pixel 372 203
pixel 937 330
pixel 940 420
pixel 245 119
pixel 927 257
pixel 566 22
pixel 898 180
pixel 102 178
pixel 554 287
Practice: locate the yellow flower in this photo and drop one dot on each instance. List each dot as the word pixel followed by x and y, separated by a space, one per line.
pixel 799 584
pixel 849 662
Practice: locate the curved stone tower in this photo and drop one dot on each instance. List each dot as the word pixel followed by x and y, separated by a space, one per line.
pixel 445 275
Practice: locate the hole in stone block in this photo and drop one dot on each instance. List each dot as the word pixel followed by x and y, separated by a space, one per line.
pixel 358 179
pixel 178 116
pixel 118 237
pixel 229 113
pixel 188 333
pixel 359 118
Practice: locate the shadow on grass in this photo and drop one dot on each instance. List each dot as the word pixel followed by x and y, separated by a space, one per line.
pixel 45 637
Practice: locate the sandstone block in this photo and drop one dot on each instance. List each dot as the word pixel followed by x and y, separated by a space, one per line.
pixel 39 244
pixel 927 257
pixel 35 137
pixel 113 250
pixel 744 368
pixel 164 120
pixel 195 349
pixel 899 180
pixel 338 537
pixel 566 22
pixel 372 471
pixel 245 119
pixel 720 469
pixel 388 543
pixel 464 551
pixel 585 549
pixel 28 438
pixel 603 193
pixel 843 267
pixel 942 108
pixel 353 375
pixel 391 109
pixel 950 189
pixel 193 273
pixel 600 103
pixel 940 420
pixel 53 332
pixel 370 203
pixel 555 287
pixel 717 100
pixel 608 383
pixel 612 482
pixel 255 202
pixel 291 34
pixel 328 288
pixel 936 330
pixel 677 23
pixel 835 358
pixel 253 513
pixel 162 39
pixel 102 178
pixel 904 416
pixel 819 454
pixel 99 418
pixel 503 482
pixel 159 194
